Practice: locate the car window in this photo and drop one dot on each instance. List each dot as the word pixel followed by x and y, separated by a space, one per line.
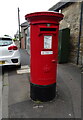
pixel 5 41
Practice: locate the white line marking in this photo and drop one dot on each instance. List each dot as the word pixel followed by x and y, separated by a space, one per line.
pixel 24 69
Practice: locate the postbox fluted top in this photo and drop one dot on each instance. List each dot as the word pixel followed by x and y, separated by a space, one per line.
pixel 59 16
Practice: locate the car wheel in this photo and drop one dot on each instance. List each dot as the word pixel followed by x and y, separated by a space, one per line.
pixel 19 66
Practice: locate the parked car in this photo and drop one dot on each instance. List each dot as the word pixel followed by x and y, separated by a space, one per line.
pixel 9 52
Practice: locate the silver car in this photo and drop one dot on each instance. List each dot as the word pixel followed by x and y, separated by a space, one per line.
pixel 9 52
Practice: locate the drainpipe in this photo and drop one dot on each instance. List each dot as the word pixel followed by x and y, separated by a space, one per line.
pixel 79 33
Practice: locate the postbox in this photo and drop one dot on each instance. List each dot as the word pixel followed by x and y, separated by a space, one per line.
pixel 44 27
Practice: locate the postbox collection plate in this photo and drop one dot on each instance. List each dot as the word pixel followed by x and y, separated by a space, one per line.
pixel 46 52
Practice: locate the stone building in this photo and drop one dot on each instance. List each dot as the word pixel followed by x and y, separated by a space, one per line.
pixel 73 19
pixel 24 27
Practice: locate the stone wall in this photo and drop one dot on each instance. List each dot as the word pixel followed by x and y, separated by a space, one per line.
pixel 72 21
pixel 81 41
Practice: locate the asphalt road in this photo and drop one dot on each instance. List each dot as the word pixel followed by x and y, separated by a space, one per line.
pixel 67 103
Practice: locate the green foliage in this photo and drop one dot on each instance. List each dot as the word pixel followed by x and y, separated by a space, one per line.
pixel 14 39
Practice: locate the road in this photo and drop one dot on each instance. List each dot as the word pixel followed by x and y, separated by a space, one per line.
pixel 67 103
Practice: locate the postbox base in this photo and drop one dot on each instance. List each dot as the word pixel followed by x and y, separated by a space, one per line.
pixel 42 93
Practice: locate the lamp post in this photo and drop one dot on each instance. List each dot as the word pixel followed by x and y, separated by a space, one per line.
pixel 19 26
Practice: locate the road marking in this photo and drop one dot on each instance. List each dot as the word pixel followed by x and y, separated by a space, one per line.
pixel 24 69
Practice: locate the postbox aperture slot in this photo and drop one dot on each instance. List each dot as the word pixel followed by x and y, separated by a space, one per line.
pixel 47 29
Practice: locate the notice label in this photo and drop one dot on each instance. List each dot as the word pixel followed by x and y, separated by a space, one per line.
pixel 46 52
pixel 47 42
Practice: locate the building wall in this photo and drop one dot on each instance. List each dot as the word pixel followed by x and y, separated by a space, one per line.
pixel 22 43
pixel 81 39
pixel 23 37
pixel 72 21
pixel 28 40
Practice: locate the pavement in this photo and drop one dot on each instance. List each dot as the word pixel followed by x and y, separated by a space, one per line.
pixel 0 93
pixel 67 103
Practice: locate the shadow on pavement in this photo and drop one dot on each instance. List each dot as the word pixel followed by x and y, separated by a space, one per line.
pixel 7 69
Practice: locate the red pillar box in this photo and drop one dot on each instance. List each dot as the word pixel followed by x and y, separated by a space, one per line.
pixel 44 28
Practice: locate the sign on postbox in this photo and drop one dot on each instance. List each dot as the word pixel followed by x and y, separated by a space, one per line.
pixel 44 27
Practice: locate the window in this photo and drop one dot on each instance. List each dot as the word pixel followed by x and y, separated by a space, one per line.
pixel 5 41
